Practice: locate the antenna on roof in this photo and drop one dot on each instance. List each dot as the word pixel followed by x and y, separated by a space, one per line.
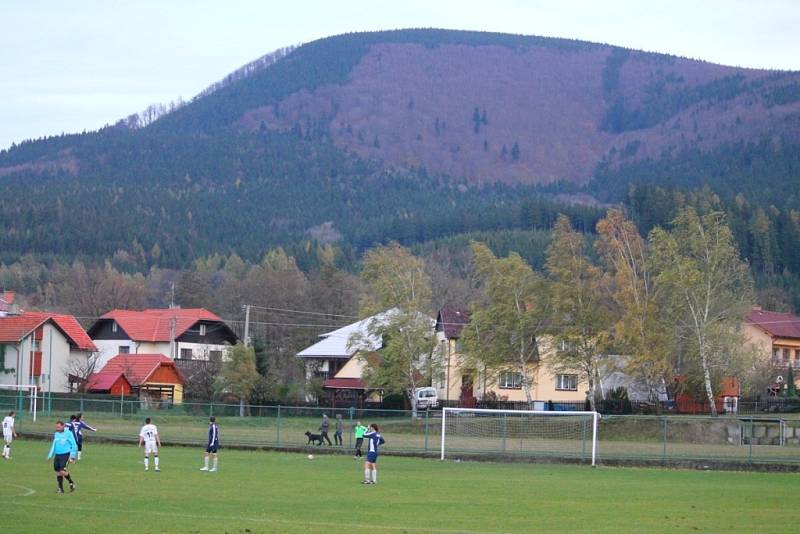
pixel 172 298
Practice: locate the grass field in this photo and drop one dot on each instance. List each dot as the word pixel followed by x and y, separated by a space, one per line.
pixel 286 492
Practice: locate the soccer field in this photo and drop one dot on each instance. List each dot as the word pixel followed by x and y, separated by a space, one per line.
pixel 258 491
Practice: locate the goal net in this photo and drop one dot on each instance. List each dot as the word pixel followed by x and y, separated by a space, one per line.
pixel 22 399
pixel 519 432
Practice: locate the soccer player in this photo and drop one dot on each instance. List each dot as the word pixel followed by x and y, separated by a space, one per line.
pixel 79 424
pixel 360 430
pixel 63 451
pixel 213 445
pixel 371 465
pixel 9 433
pixel 149 436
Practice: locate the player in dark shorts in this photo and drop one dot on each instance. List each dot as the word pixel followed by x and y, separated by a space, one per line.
pixel 374 440
pixel 212 448
pixel 63 452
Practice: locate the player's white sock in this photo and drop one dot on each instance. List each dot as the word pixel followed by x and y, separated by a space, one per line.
pixel 5 451
pixel 205 462
pixel 215 463
pixel 366 473
pixel 374 476
pixel 146 462
pixel 79 455
pixel 156 462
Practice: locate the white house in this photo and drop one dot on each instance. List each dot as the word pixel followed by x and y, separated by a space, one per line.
pixel 183 334
pixel 43 349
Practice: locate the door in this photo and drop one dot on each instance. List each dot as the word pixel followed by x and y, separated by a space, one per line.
pixel 467 399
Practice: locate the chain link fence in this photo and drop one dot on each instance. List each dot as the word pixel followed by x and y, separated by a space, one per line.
pixel 740 439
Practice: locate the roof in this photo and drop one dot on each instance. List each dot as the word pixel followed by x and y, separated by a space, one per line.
pixel 15 327
pixel 137 368
pixel 103 381
pixel 336 344
pixel 776 324
pixel 344 383
pixel 155 324
pixel 452 321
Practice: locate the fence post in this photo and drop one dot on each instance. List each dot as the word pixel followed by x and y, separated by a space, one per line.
pixel 750 442
pixel 664 450
pixel 278 443
pixel 82 410
pixel 427 412
pixel 505 430
pixel 211 409
pixel 350 413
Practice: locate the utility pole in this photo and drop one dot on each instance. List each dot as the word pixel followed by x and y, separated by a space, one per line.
pixel 172 321
pixel 246 325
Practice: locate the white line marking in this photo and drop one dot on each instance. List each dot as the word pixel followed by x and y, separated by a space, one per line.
pixel 268 520
pixel 28 491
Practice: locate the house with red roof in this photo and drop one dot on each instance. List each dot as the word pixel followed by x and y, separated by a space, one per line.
pixel 183 334
pixel 43 349
pixel 776 336
pixel 151 377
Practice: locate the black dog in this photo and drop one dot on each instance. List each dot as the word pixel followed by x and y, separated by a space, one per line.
pixel 314 438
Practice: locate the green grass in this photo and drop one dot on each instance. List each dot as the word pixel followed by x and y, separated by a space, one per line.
pixel 285 492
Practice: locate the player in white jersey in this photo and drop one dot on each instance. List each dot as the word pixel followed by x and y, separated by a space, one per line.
pixel 9 433
pixel 149 436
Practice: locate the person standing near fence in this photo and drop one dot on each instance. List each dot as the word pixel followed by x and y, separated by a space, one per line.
pixel 213 445
pixel 79 424
pixel 324 426
pixel 9 433
pixel 337 435
pixel 359 431
pixel 63 451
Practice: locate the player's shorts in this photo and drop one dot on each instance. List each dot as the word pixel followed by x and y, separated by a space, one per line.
pixel 212 448
pixel 372 457
pixel 8 437
pixel 60 461
pixel 150 447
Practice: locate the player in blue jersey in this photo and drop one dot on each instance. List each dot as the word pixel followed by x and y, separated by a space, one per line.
pixel 79 425
pixel 374 440
pixel 212 448
pixel 63 452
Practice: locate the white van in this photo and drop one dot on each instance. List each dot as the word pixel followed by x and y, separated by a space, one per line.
pixel 426 398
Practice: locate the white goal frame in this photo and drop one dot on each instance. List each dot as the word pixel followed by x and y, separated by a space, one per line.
pixel 595 418
pixel 34 398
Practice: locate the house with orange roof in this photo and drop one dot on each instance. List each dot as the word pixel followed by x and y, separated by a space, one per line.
pixel 151 377
pixel 43 349
pixel 183 334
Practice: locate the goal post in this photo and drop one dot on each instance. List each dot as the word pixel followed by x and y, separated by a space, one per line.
pixel 14 399
pixel 557 434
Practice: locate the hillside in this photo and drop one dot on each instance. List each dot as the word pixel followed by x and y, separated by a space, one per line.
pixel 411 135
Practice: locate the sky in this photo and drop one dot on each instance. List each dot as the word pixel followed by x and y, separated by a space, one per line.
pixel 74 66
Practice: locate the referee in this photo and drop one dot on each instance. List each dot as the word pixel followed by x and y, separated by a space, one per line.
pixel 63 452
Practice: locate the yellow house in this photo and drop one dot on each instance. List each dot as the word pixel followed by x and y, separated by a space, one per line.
pixel 776 338
pixel 459 383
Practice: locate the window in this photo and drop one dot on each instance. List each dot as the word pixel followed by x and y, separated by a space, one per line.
pixel 510 381
pixel 124 349
pixel 202 329
pixel 186 354
pixel 786 355
pixel 215 355
pixel 797 354
pixel 114 326
pixel 567 382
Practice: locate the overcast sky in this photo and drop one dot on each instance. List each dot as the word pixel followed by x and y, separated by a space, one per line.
pixel 69 66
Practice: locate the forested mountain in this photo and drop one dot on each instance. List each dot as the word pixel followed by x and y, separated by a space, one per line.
pixel 413 135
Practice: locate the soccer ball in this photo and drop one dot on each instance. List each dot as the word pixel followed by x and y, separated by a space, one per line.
pixel 310 456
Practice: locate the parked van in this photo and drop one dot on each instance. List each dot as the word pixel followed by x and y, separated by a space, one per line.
pixel 426 398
